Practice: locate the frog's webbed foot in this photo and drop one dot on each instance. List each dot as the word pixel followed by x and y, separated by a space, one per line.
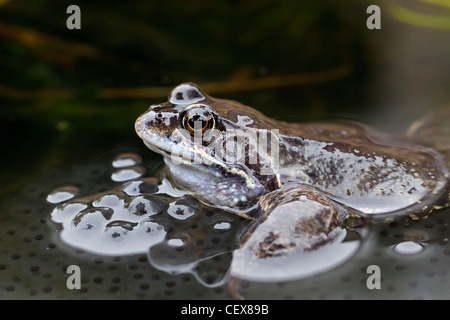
pixel 299 234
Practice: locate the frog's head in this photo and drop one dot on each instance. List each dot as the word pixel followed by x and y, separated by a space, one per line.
pixel 220 150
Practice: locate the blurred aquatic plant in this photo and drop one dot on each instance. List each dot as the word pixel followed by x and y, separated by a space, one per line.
pixel 51 48
pixel 232 85
pixel 417 17
pixel 444 3
pixel 141 49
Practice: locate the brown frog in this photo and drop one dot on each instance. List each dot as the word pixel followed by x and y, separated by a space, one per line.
pixel 298 181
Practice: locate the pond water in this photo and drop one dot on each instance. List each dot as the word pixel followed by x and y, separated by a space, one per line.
pixel 82 149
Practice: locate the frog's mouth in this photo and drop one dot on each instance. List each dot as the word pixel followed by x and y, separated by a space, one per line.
pixel 151 139
pixel 158 148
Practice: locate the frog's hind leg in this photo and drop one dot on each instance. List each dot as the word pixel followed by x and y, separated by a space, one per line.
pixel 299 230
pixel 433 131
pixel 299 213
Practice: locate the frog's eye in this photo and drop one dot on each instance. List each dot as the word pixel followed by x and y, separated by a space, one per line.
pixel 198 119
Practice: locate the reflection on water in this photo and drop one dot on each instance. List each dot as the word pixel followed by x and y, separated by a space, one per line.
pixel 182 235
pixel 295 265
pixel 111 223
pixel 408 248
pixel 61 194
pixel 143 216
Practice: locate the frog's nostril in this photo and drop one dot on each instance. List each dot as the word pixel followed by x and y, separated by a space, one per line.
pixel 159 117
pixel 150 118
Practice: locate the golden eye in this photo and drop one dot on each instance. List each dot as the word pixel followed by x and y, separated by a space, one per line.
pixel 198 119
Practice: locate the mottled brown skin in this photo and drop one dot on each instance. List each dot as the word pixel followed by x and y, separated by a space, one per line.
pixel 328 171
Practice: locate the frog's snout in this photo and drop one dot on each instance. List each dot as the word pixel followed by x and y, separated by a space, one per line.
pixel 140 125
pixel 137 126
pixel 145 121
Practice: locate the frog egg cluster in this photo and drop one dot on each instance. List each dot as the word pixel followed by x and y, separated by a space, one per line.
pixel 127 167
pixel 34 260
pixel 114 222
pixel 140 216
pixel 110 223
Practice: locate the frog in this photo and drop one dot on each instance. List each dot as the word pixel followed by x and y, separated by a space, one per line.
pixel 308 178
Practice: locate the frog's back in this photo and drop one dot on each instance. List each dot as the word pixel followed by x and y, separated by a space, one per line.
pixel 363 169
